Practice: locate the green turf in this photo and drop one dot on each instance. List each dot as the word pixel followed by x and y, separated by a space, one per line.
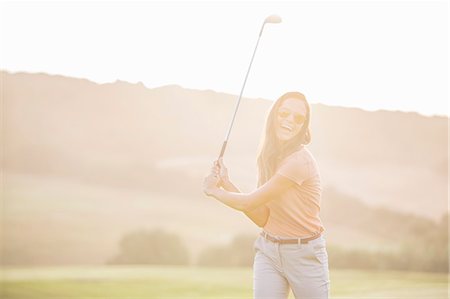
pixel 136 282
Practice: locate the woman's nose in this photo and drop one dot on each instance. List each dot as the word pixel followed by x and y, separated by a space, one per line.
pixel 291 118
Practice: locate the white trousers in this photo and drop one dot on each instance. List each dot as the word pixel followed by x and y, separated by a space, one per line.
pixel 300 267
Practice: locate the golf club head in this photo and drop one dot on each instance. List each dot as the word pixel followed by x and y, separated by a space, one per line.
pixel 273 19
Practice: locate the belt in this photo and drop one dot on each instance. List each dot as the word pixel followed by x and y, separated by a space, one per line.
pixel 288 241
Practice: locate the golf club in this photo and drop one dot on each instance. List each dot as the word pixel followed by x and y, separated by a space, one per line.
pixel 273 19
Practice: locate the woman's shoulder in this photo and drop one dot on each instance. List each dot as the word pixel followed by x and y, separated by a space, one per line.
pixel 298 166
pixel 304 159
pixel 301 155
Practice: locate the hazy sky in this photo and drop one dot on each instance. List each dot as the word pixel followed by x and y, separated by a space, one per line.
pixel 369 54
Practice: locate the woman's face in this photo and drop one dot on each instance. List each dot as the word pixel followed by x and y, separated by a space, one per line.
pixel 290 118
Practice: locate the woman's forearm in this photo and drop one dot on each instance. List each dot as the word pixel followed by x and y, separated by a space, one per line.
pixel 229 186
pixel 237 201
pixel 232 197
pixel 259 215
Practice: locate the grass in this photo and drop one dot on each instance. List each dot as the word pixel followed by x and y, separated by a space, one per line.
pixel 148 282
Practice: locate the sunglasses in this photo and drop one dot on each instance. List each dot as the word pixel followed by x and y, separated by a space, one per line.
pixel 298 118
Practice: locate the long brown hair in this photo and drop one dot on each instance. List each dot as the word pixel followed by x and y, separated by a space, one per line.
pixel 271 152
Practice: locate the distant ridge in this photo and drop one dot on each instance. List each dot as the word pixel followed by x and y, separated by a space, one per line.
pixel 83 129
pixel 140 83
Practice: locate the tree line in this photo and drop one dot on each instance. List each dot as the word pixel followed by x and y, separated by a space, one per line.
pixel 424 251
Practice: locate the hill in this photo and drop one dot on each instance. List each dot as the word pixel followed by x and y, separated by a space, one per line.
pixel 83 163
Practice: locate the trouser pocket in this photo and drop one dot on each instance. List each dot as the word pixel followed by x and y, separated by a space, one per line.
pixel 320 253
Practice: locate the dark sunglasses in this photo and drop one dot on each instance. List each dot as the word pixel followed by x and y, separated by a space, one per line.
pixel 298 118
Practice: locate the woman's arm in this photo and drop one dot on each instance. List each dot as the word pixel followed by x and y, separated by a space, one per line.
pixel 229 186
pixel 259 216
pixel 248 202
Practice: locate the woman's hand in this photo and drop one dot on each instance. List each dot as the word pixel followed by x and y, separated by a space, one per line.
pixel 220 169
pixel 211 184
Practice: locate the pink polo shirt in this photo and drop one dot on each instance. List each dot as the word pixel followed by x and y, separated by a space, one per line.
pixel 295 213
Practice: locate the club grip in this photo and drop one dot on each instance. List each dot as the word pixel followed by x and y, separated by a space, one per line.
pixel 224 145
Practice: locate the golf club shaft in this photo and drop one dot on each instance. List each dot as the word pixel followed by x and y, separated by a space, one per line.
pixel 224 145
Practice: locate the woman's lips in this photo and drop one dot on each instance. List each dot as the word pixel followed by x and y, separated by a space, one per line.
pixel 286 128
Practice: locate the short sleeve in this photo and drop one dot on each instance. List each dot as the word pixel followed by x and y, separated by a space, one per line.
pixel 295 169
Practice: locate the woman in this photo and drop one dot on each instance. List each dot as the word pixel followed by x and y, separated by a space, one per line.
pixel 290 252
